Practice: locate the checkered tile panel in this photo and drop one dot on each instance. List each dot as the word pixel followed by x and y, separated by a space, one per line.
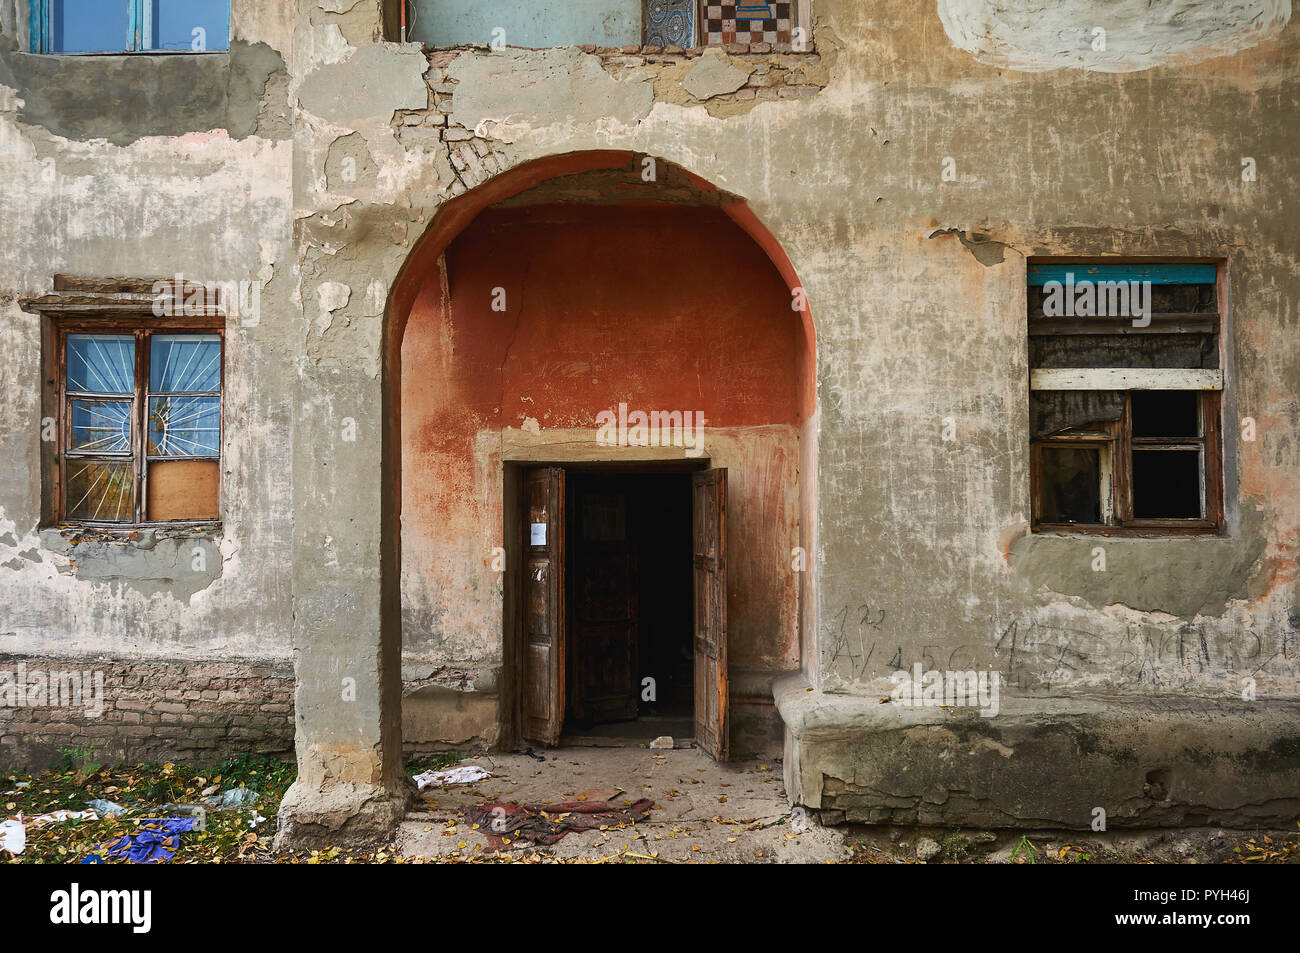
pixel 744 22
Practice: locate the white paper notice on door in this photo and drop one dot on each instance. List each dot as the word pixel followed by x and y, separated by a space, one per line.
pixel 538 535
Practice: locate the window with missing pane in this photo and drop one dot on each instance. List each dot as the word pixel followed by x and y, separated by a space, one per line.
pixel 1125 397
pixel 141 426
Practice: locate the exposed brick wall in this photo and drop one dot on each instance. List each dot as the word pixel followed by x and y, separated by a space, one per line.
pixel 195 712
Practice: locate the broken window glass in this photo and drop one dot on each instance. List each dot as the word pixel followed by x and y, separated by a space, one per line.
pixel 1130 437
pixel 1166 413
pixel 184 363
pixel 1071 488
pixel 101 491
pixel 184 406
pixel 184 425
pixel 1167 483
pixel 1080 411
pixel 106 465
pixel 101 364
pixel 100 426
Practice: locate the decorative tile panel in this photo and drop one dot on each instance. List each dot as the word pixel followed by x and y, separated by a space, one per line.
pixel 670 23
pixel 745 22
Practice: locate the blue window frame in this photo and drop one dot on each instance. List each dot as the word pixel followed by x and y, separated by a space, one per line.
pixel 130 26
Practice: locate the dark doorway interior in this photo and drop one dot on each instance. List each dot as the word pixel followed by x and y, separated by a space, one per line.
pixel 630 611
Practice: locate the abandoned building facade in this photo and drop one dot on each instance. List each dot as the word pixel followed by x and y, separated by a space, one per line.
pixel 909 390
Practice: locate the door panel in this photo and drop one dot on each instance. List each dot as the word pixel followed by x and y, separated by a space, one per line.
pixel 603 604
pixel 712 729
pixel 543 598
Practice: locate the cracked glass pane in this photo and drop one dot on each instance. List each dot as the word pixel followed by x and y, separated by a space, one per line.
pixel 100 426
pixel 184 426
pixel 184 363
pixel 101 364
pixel 100 490
pixel 1071 485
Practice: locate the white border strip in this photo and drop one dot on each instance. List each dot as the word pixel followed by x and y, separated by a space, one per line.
pixel 1124 378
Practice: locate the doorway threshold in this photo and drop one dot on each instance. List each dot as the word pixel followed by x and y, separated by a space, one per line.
pixel 605 741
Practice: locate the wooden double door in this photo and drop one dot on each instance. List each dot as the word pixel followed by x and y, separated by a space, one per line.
pixel 579 640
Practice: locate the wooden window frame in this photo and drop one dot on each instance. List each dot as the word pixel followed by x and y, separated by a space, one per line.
pixel 1120 443
pixel 1209 384
pixel 142 327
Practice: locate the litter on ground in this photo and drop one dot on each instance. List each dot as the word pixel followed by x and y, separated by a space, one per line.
pixel 466 774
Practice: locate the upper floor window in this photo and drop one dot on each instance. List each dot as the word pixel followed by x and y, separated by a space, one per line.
pixel 1125 385
pixel 130 26
pixel 607 23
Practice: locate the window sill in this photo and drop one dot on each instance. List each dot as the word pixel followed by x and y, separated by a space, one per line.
pixel 63 536
pixel 1199 530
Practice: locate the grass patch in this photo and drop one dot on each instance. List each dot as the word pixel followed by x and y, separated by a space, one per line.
pixel 242 834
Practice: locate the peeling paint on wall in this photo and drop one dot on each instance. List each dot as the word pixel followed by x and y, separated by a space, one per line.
pixel 1120 36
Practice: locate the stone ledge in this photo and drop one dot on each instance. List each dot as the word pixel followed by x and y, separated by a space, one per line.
pixel 1150 761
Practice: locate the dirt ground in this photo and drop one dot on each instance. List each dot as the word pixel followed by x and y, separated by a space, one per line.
pixel 706 812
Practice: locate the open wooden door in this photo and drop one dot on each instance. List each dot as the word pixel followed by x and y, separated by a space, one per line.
pixel 543 598
pixel 709 492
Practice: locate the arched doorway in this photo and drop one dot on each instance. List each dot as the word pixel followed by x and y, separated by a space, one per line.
pixel 605 371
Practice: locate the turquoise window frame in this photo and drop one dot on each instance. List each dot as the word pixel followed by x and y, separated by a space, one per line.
pixel 139 37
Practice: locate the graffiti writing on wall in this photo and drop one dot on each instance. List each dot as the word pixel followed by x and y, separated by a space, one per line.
pixel 1037 655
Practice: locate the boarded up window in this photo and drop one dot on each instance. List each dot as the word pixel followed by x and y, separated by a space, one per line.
pixel 1125 385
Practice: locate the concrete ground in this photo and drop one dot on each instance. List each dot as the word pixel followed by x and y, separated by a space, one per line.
pixel 704 812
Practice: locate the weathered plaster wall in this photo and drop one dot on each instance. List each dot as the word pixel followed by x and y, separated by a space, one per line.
pixel 914 328
pixel 1089 173
pixel 146 167
pixel 921 546
pixel 1117 37
pixel 1134 155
